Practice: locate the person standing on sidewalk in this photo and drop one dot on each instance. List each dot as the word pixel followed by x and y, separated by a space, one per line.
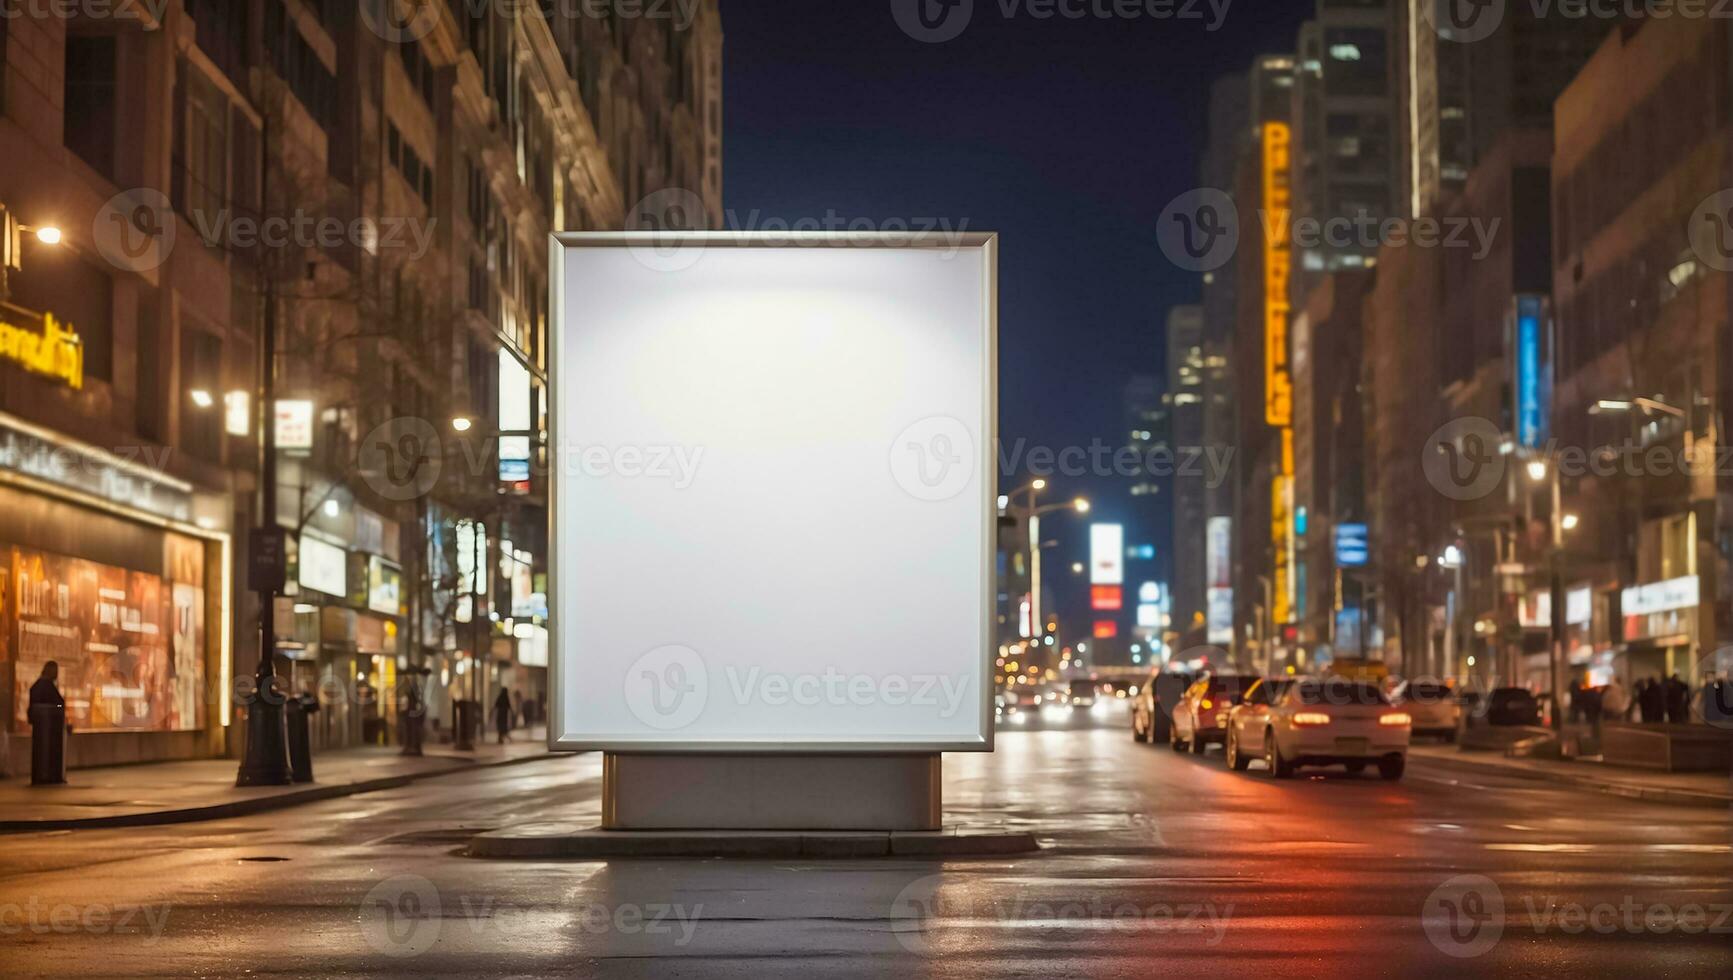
pixel 1615 702
pixel 1678 697
pixel 502 715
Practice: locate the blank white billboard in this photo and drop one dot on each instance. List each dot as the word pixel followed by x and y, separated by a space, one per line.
pixel 773 492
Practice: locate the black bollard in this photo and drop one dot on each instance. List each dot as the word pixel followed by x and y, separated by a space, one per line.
pixel 47 744
pixel 296 713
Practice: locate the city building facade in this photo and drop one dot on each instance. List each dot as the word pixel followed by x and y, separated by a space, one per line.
pixel 372 185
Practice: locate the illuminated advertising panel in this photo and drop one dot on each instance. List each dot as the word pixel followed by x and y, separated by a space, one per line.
pixel 1533 371
pixel 130 644
pixel 1353 547
pixel 1106 554
pixel 1278 376
pixel 1106 598
pixel 294 423
pixel 719 403
pixel 1218 572
pixel 322 567
pixel 384 586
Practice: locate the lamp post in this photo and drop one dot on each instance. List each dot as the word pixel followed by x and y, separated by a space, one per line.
pixel 1032 518
pixel 265 761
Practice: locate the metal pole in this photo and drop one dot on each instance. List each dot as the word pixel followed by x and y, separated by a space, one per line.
pixel 1556 647
pixel 1039 623
pixel 266 760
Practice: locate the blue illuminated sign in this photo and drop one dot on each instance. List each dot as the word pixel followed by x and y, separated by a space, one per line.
pixel 1353 547
pixel 1532 382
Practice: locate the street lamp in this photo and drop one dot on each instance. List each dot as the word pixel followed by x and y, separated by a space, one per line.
pixel 12 233
pixel 1032 515
pixel 1537 470
pixel 461 424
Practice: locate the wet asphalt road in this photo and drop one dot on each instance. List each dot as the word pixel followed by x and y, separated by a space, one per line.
pixel 1157 864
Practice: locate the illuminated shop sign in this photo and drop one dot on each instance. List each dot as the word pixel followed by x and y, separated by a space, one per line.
pixel 46 346
pixel 1107 554
pixel 129 480
pixel 1106 598
pixel 384 586
pixel 1533 372
pixel 1278 376
pixel 1660 597
pixel 322 567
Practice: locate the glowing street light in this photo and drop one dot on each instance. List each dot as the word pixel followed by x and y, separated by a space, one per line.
pixel 461 424
pixel 1537 470
pixel 48 235
pixel 1570 521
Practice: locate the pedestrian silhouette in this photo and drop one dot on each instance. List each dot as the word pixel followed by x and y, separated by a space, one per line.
pixel 1678 700
pixel 45 691
pixel 502 715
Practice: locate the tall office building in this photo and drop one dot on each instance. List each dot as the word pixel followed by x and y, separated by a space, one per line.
pixel 1345 147
pixel 1192 474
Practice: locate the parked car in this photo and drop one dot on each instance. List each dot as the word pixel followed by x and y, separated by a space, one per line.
pixel 1152 709
pixel 1318 722
pixel 1512 706
pixel 1435 708
pixel 1200 718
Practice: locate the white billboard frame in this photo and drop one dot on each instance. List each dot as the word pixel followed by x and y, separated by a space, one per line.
pixel 978 247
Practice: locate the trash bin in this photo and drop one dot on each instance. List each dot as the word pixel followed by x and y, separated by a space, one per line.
pixel 466 724
pixel 297 715
pixel 411 713
pixel 47 744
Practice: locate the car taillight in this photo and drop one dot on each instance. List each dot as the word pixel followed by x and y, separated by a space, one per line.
pixel 1311 718
pixel 1207 704
pixel 1396 720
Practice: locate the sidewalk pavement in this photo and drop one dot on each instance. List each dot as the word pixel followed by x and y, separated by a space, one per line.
pixel 204 789
pixel 1679 788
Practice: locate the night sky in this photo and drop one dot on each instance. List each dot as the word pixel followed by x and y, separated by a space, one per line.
pixel 1065 136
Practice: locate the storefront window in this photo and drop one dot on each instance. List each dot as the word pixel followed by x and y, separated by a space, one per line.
pixel 130 644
